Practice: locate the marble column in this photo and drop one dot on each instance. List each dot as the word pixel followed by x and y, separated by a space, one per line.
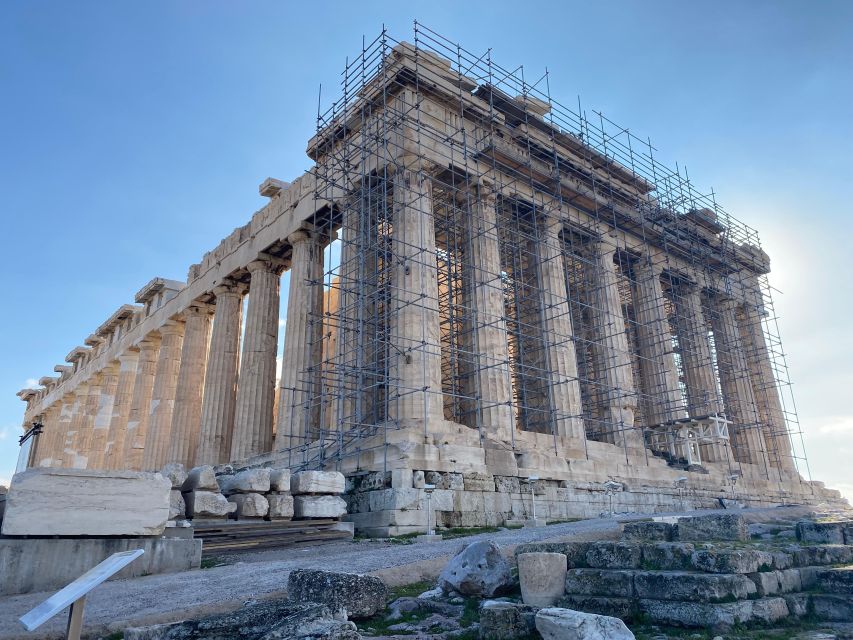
pixel 186 417
pixel 140 403
pixel 163 396
pixel 121 408
pixel 220 381
pixel 86 434
pixel 491 380
pixel 103 417
pixel 47 443
pixel 415 393
pixel 558 336
pixel 746 438
pixel 299 383
pixel 619 394
pixel 664 402
pixel 697 361
pixel 66 438
pixel 763 382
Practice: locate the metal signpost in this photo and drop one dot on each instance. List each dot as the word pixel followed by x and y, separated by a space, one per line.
pixel 75 594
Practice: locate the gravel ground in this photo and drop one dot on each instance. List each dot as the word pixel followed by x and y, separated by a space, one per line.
pixel 167 597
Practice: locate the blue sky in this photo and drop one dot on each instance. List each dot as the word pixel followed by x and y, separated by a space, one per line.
pixel 133 137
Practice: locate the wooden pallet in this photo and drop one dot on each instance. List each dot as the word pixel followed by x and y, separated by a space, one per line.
pixel 219 537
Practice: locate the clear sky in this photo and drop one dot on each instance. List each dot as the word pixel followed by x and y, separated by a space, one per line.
pixel 133 137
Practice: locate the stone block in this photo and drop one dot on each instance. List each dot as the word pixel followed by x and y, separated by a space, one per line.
pixel 76 502
pixel 441 500
pixel 507 484
pixel 668 556
pixel 280 505
pixel 614 555
pixel 497 502
pixel 208 504
pixel 280 480
pixel 317 482
pixel 812 532
pixel 478 570
pixel 418 480
pixel 622 608
pixel 692 587
pixel 726 526
pixel 647 531
pixel 798 604
pixel 565 624
pixel 506 620
pixel 837 580
pixel 201 478
pixel 542 577
pixel 174 472
pixel 822 555
pixel 389 499
pixel 246 481
pixel 250 505
pixel 833 607
pixel 731 561
pixel 769 610
pixel 307 506
pixel 177 506
pixel 451 481
pixel 468 501
pixel 600 582
pixel 696 614
pixel 575 552
pixel 402 479
pixel 477 481
pixel 359 596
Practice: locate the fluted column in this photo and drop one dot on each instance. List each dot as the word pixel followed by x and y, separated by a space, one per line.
pixel 140 404
pixel 299 381
pixel 746 437
pixel 764 384
pixel 103 417
pixel 415 358
pixel 186 417
pixel 697 361
pixel 220 381
pixel 87 425
pixel 253 419
pixel 664 402
pixel 121 409
pixel 491 380
pixel 558 336
pixel 619 393
pixel 47 442
pixel 66 438
pixel 163 396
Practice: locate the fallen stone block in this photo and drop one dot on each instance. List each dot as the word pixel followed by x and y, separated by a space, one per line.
pixel 77 502
pixel 820 532
pixel 731 561
pixel 478 570
pixel 506 620
pixel 318 506
pixel 668 556
pixel 201 478
pixel 565 624
pixel 280 480
pixel 175 473
pixel 281 506
pixel 600 582
pixel 246 481
pixel 250 505
pixel 713 527
pixel 208 504
pixel 838 580
pixel 832 607
pixel 614 555
pixel 575 552
pixel 542 577
pixel 359 596
pixel 622 608
pixel 648 531
pixel 692 587
pixel 317 482
pixel 177 506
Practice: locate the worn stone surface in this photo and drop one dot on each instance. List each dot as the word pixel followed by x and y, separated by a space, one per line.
pixel 622 608
pixel 247 481
pixel 724 526
pixel 731 561
pixel 647 531
pixel 600 582
pixel 478 570
pixel 477 481
pixel 318 506
pixel 250 505
pixel 175 473
pixel 312 482
pixel 542 577
pixel 692 587
pixel 359 596
pixel 614 555
pixel 281 505
pixel 820 532
pixel 177 506
pixel 208 504
pixel 575 552
pixel 771 583
pixel 833 607
pixel 266 620
pixel 201 478
pixel 698 614
pixel 506 620
pixel 280 480
pixel 822 555
pixel 668 556
pixel 76 502
pixel 565 624
pixel 838 580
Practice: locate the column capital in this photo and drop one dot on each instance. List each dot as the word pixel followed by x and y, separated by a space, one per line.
pixel 197 309
pixel 262 264
pixel 149 341
pixel 228 287
pixel 300 235
pixel 81 389
pixel 171 327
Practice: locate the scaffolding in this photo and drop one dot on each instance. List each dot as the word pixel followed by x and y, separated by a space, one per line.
pixel 562 190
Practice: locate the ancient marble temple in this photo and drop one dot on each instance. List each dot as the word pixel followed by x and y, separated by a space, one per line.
pixel 481 283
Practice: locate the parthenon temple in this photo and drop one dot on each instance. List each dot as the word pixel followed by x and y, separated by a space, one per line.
pixel 480 282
